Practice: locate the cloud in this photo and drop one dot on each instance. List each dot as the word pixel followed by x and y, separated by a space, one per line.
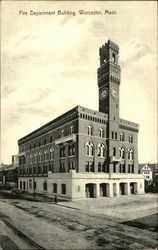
pixel 133 51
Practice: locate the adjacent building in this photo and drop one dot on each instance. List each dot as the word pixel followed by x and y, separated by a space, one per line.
pixel 85 153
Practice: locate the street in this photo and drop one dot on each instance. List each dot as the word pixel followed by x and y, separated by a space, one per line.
pixel 62 226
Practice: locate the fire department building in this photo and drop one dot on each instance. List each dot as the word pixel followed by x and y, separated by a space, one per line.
pixel 85 153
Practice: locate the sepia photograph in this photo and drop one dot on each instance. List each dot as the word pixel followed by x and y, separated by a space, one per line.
pixel 78 166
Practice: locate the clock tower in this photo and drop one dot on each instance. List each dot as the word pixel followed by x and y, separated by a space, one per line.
pixel 109 80
pixel 108 83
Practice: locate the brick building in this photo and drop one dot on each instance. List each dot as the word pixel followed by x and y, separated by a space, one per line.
pixel 85 153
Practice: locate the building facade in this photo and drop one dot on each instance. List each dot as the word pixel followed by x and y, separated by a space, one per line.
pixel 85 153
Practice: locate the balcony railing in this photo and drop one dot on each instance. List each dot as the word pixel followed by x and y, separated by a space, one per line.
pixel 115 159
pixel 67 138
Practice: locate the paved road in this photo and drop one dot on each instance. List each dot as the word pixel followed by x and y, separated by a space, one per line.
pixel 57 227
pixel 9 240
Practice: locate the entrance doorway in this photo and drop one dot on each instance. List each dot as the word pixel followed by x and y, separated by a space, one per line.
pixel 90 190
pixel 133 187
pixel 103 190
pixel 122 188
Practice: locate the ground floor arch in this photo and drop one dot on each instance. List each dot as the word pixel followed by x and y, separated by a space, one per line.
pixel 90 190
pixel 133 187
pixel 104 187
pixel 122 188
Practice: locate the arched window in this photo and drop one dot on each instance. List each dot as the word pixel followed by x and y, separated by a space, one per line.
pixel 89 130
pixel 71 129
pixel 101 150
pixel 122 152
pixel 62 133
pixel 40 156
pixel 45 155
pixel 71 149
pixel 34 158
pixel 31 158
pixel 130 138
pixel 113 58
pixel 101 133
pixel 130 154
pixel 121 137
pixel 50 139
pixel 51 153
pixel 89 149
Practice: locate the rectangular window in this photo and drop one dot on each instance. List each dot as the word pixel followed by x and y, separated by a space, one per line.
pixel 20 184
pixel 35 185
pixel 63 188
pixel 99 167
pixel 129 167
pixel 78 189
pixel 116 135
pixel 30 184
pixel 54 188
pixel 87 166
pixel 45 186
pixel 91 166
pixel 114 168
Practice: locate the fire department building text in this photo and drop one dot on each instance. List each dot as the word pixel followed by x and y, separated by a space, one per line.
pixel 85 153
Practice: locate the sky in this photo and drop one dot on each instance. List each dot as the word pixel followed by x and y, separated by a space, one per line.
pixel 49 65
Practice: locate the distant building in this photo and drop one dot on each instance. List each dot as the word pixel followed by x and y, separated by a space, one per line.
pixel 9 173
pixel 147 173
pixel 85 153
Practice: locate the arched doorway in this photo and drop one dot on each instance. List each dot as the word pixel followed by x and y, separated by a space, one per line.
pixel 103 189
pixel 90 190
pixel 133 187
pixel 122 188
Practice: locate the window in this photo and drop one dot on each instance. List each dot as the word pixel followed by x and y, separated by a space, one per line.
pixel 79 188
pixel 62 151
pixel 89 130
pixel 122 152
pixel 115 135
pixel 50 139
pixel 71 149
pixel 51 154
pixel 35 185
pixel 71 165
pixel 31 158
pixel 45 141
pixel 101 150
pixel 45 186
pixel 34 145
pixel 44 169
pixel 44 155
pixel 114 168
pixel 130 138
pixel 20 184
pixel 101 167
pixel 101 133
pixel 62 133
pixel 114 151
pixel 34 158
pixel 122 168
pixel 121 137
pixel 54 188
pixel 63 188
pixel 71 129
pixel 39 144
pixel 130 154
pixel 40 156
pixel 62 167
pixel 89 167
pixel 113 58
pixel 89 149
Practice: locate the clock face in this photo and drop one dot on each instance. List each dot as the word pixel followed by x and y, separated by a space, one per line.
pixel 114 93
pixel 103 93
